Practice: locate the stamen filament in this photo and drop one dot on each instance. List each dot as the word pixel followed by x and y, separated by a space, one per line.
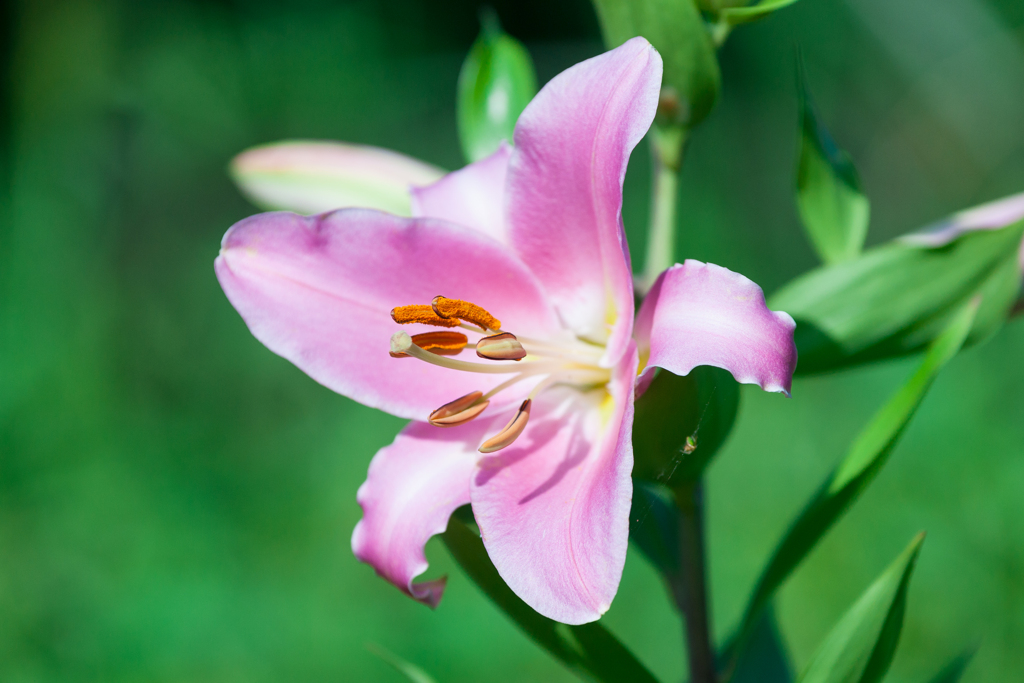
pixel 402 343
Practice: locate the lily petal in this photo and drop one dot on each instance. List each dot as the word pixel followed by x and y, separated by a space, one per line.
pixel 572 144
pixel 313 177
pixel 473 196
pixel 319 291
pixel 553 508
pixel 412 488
pixel 990 216
pixel 702 314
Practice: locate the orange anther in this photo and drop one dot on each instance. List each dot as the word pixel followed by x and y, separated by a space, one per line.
pixel 420 313
pixel 440 342
pixel 446 308
pixel 511 432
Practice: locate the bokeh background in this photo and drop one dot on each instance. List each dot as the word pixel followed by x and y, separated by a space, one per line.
pixel 176 502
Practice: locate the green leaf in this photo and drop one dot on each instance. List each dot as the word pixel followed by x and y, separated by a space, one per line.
pixel 742 15
pixel 858 468
pixel 692 79
pixel 496 83
pixel 411 672
pixel 861 646
pixel 589 650
pixel 832 206
pixel 681 422
pixel 654 526
pixel 765 659
pixel 896 298
pixel 954 670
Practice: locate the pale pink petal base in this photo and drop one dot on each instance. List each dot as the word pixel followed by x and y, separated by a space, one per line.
pixel 572 145
pixel 412 489
pixel 473 196
pixel 553 508
pixel 702 314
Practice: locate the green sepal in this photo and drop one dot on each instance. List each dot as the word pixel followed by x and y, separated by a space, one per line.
pixel 861 646
pixel 895 299
pixel 496 83
pixel 862 462
pixel 681 422
pixel 692 79
pixel 589 650
pixel 832 207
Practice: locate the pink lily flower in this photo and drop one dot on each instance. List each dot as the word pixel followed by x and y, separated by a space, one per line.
pixel 521 384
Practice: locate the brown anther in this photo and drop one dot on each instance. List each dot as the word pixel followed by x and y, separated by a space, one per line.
pixel 502 346
pixel 420 313
pixel 459 411
pixel 511 431
pixel 463 310
pixel 439 342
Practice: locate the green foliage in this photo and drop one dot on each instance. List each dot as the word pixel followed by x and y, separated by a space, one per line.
pixel 861 646
pixel 896 298
pixel 410 672
pixel 496 83
pixel 589 650
pixel 692 79
pixel 954 670
pixel 700 407
pixel 833 208
pixel 858 468
pixel 765 659
pixel 742 13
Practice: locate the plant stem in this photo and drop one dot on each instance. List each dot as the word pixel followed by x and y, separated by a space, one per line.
pixel 689 585
pixel 667 151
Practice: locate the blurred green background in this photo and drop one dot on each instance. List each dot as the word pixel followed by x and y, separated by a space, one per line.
pixel 176 502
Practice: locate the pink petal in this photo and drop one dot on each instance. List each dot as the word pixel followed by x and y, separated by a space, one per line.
pixel 473 196
pixel 702 314
pixel 572 144
pixel 313 177
pixel 553 508
pixel 319 292
pixel 412 489
pixel 991 216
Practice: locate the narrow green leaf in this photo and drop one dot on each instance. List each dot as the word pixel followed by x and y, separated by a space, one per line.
pixel 412 673
pixel 765 659
pixel 861 646
pixel 742 15
pixel 954 670
pixel 588 650
pixel 681 422
pixel 692 79
pixel 496 83
pixel 833 208
pixel 862 462
pixel 896 298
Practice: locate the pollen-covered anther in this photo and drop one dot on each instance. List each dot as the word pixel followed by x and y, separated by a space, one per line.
pixel 511 431
pixel 502 346
pixel 420 313
pixel 459 411
pixel 448 309
pixel 441 343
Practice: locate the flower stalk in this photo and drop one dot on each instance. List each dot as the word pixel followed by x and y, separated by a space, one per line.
pixel 667 144
pixel 689 585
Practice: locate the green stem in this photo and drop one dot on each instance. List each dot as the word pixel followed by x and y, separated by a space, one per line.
pixel 720 31
pixel 667 151
pixel 689 585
